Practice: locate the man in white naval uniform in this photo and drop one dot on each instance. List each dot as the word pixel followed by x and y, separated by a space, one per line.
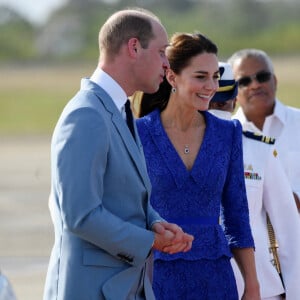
pixel 262 113
pixel 268 192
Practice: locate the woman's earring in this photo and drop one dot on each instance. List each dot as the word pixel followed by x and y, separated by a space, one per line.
pixel 173 90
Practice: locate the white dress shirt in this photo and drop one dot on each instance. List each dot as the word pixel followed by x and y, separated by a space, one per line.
pixel 111 87
pixel 284 126
pixel 268 191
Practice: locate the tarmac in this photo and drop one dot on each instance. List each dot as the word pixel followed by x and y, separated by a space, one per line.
pixel 26 233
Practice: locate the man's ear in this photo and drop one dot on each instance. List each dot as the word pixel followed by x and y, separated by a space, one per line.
pixel 133 46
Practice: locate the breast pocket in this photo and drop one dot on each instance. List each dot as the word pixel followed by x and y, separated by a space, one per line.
pixel 254 190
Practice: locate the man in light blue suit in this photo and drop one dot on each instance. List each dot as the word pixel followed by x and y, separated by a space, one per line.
pixel 104 224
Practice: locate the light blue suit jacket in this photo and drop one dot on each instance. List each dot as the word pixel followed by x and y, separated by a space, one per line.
pixel 99 204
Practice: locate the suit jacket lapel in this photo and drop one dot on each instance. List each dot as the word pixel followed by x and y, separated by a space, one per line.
pixel 133 146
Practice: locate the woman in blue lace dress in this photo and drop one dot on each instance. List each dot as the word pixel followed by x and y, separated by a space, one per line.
pixel 195 165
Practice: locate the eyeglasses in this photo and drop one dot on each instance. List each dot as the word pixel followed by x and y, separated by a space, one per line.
pixel 260 77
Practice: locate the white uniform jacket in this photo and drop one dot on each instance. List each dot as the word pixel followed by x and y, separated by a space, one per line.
pixel 284 126
pixel 268 190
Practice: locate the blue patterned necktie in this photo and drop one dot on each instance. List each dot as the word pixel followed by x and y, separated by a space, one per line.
pixel 129 117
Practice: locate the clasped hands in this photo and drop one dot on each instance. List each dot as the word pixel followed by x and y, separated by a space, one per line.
pixel 170 238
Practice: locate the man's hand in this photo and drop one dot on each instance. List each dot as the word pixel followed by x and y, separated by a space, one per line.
pixel 170 238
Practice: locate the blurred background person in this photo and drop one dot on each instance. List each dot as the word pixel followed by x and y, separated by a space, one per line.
pixel 6 289
pixel 260 111
pixel 195 165
pixel 268 193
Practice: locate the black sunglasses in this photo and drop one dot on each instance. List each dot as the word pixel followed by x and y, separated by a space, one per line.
pixel 262 76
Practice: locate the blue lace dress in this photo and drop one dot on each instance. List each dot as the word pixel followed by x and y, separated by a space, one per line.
pixel 197 199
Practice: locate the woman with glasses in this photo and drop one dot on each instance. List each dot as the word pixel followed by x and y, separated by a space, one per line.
pixel 260 111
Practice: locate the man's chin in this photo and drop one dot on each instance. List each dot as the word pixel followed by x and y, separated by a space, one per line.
pixel 152 90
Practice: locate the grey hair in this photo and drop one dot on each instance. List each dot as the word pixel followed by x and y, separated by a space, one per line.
pixel 255 53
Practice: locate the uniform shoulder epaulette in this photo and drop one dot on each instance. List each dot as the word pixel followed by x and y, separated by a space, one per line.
pixel 259 137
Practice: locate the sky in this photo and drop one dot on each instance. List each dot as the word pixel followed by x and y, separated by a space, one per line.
pixel 37 11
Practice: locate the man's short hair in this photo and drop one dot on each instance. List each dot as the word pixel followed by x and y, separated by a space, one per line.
pixel 124 25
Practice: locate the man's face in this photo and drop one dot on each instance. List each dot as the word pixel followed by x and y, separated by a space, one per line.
pixel 228 105
pixel 257 87
pixel 153 61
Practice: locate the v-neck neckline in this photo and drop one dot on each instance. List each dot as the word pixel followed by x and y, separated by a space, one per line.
pixel 170 155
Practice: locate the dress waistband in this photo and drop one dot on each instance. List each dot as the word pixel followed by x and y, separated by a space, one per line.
pixel 203 220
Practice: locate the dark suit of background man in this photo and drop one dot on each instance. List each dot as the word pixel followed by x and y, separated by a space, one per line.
pixel 104 224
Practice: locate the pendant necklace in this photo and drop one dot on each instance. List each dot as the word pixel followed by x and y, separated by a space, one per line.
pixel 186 149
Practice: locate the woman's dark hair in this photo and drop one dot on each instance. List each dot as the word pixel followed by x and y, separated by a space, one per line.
pixel 183 47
